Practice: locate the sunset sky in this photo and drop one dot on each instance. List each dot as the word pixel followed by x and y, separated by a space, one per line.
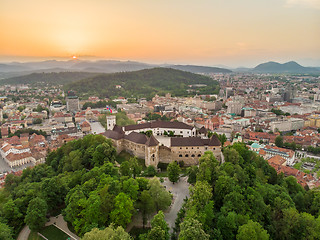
pixel 208 32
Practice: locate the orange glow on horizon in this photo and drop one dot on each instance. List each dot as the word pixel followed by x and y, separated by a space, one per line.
pixel 203 32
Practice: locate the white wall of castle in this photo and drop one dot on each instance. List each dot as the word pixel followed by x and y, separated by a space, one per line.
pixel 161 131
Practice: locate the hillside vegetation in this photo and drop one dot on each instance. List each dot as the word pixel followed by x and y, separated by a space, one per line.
pixel 82 181
pixel 49 78
pixel 144 83
pixel 289 67
pixel 244 198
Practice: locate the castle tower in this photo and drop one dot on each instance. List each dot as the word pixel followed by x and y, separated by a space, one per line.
pixel 152 152
pixel 111 122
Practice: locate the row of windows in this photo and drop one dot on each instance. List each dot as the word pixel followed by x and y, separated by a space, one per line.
pixel 187 147
pixel 192 155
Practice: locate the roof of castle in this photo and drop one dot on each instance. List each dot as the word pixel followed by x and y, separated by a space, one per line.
pixel 118 129
pixel 136 138
pixel 152 141
pixel 195 141
pixel 158 124
pixel 113 134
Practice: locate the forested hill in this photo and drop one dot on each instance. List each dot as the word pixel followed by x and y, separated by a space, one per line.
pixel 289 67
pixel 200 69
pixel 145 83
pixel 51 78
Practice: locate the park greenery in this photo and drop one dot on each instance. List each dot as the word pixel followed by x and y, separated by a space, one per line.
pixel 82 181
pixel 121 119
pixel 99 104
pixel 154 116
pixel 312 162
pixel 30 131
pixel 279 112
pixel 244 198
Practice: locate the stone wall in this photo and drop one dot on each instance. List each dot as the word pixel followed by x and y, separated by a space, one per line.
pixel 165 154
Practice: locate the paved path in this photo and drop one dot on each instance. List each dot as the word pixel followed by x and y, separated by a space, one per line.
pixel 97 128
pixel 180 191
pixel 24 234
pixel 60 223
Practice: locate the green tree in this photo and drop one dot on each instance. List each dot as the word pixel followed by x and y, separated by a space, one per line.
pixel 160 229
pixel 122 212
pixel 146 205
pixel 151 171
pixel 125 169
pixel 5 232
pixel 161 197
pixel 104 152
pixel 131 187
pixel 173 172
pixel 279 141
pixel 191 229
pixel 192 174
pixel 12 213
pixel 36 214
pixel 252 230
pixel 135 166
pixel 109 233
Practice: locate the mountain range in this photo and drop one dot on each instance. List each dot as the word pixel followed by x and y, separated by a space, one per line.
pixel 102 66
pixel 14 69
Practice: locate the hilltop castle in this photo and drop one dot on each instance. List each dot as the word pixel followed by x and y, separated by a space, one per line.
pixel 187 148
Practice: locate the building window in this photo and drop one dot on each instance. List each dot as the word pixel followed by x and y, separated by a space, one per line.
pixel 199 155
pixel 180 147
pixel 192 155
pixel 214 148
pixel 186 147
pixel 187 155
pixel 180 131
pixel 180 155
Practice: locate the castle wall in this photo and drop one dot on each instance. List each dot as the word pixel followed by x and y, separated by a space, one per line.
pixel 165 155
pixel 152 156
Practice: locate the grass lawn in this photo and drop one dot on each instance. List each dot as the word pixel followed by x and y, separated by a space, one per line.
pixel 53 233
pixel 34 236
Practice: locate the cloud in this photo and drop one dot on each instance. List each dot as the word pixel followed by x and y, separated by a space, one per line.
pixel 304 3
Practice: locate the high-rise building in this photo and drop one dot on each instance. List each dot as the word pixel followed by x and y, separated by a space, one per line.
pixel 73 103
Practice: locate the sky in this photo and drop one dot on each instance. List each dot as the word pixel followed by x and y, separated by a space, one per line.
pixel 208 32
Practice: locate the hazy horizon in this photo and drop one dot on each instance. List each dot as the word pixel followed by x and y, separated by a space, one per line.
pixel 208 32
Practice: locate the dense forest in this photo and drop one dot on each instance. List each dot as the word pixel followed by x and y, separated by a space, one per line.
pixel 144 83
pixel 81 180
pixel 242 198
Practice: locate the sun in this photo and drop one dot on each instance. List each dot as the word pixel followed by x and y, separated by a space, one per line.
pixel 74 57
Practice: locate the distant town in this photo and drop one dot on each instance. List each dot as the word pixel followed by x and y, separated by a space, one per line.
pixel 275 115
